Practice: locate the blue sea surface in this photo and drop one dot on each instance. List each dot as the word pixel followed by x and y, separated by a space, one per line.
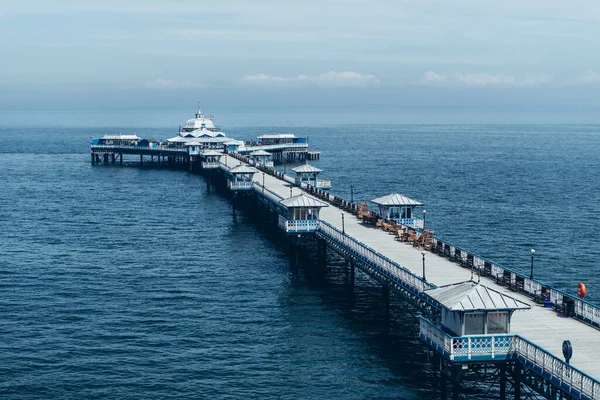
pixel 128 283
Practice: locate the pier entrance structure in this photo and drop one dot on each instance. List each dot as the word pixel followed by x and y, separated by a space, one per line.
pixel 308 175
pixel 400 209
pixel 301 214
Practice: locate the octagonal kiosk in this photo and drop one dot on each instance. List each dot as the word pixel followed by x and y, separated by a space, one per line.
pixel 301 214
pixel 400 209
pixel 475 322
pixel 210 159
pixel 261 157
pixel 308 175
pixel 240 178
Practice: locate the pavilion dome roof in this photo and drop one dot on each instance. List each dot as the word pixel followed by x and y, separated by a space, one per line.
pixel 199 122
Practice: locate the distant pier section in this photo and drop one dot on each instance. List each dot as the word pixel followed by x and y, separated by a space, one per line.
pixel 478 320
pixel 193 140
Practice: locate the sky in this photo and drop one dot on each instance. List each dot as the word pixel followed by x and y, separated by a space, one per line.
pixel 535 54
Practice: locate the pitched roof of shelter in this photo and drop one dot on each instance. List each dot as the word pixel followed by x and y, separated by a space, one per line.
pixel 243 169
pixel 210 153
pixel 306 168
pixel 302 200
pixel 277 136
pixel 472 296
pixel 396 199
pixel 260 153
pixel 121 137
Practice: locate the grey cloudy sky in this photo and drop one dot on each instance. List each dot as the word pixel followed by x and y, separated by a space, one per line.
pixel 392 51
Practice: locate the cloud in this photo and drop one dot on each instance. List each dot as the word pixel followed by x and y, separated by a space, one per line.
pixel 331 78
pixel 483 79
pixel 167 84
pixel 432 77
pixel 590 77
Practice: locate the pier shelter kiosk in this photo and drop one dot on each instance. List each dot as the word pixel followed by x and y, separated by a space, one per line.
pixel 475 324
pixel 308 175
pixel 400 209
pixel 210 159
pixel 470 308
pixel 240 178
pixel 261 157
pixel 301 214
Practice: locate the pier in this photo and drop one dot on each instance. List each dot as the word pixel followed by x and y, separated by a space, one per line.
pixel 478 319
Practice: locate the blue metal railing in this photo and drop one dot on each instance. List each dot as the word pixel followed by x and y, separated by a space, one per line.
pixel 583 310
pixel 382 264
pixel 498 347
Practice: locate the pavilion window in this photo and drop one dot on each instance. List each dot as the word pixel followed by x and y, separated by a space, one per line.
pixel 394 212
pixel 406 212
pixel 474 324
pixel 497 322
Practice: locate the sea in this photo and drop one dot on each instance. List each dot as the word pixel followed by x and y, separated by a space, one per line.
pixel 123 282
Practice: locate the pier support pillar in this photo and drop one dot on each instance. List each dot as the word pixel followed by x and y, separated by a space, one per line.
pixel 385 291
pixel 352 272
pixel 503 382
pixel 517 381
pixel 92 154
pixel 121 158
pixel 142 160
pixel 113 158
pixel 208 183
pixel 105 158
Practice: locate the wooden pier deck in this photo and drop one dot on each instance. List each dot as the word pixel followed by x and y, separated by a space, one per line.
pixel 542 326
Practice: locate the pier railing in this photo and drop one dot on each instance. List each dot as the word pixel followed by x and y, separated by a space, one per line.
pixel 298 226
pixel 571 305
pixel 268 147
pixel 171 149
pixel 390 269
pixel 268 193
pixel 500 347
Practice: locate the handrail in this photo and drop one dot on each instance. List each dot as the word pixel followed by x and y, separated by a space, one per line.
pixel 584 310
pixel 570 378
pixel 391 269
pixel 135 147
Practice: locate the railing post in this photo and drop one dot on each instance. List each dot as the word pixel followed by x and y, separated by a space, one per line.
pixel 469 347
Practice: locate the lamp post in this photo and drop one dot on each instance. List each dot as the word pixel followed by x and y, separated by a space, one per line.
pixel 343 228
pixel 263 185
pixel 532 254
pixel 291 191
pixel 424 215
pixel 423 254
pixel 351 194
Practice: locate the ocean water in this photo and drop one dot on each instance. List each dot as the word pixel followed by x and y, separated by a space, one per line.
pixel 122 282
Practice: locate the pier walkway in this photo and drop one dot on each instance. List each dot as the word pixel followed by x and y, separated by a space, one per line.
pixel 541 326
